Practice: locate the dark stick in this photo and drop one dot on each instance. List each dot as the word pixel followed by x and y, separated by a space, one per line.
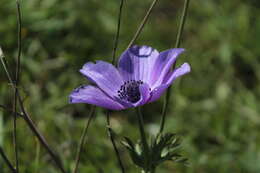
pixel 111 135
pixel 19 40
pixel 140 28
pixel 177 45
pixel 183 19
pixel 15 134
pixel 83 136
pixel 30 123
pixel 8 163
pixel 118 31
pixel 18 65
pixel 43 141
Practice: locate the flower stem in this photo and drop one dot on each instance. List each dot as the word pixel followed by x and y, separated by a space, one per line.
pixel 17 79
pixel 177 45
pixel 8 163
pixel 141 26
pixel 83 136
pixel 143 136
pixel 111 135
pixel 118 31
pixel 43 141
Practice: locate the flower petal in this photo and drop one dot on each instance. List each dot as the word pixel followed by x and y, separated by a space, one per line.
pixel 163 64
pixel 159 90
pixel 104 75
pixel 145 94
pixel 137 62
pixel 182 70
pixel 95 96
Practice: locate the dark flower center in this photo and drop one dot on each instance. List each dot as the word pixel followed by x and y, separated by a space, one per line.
pixel 130 91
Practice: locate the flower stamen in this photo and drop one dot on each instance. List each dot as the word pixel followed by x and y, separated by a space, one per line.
pixel 129 91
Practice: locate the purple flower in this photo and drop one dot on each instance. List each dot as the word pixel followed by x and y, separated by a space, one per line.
pixel 142 76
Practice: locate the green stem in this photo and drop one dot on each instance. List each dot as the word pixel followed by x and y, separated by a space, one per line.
pixel 111 135
pixel 7 161
pixel 143 136
pixel 118 31
pixel 141 26
pixel 177 45
pixel 17 79
pixel 83 138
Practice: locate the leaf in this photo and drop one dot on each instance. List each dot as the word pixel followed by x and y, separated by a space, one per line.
pixel 134 151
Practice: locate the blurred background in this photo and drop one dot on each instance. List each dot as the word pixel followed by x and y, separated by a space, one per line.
pixel 215 108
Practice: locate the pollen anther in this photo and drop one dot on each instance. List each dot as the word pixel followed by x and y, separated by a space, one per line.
pixel 129 91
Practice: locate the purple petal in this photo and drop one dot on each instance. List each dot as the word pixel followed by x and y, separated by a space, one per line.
pixel 182 70
pixel 125 103
pixel 145 94
pixel 163 65
pixel 104 75
pixel 137 62
pixel 157 92
pixel 95 96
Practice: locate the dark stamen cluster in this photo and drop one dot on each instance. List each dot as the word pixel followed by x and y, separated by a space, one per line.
pixel 130 91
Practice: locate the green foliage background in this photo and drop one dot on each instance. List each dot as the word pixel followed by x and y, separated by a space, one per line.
pixel 215 108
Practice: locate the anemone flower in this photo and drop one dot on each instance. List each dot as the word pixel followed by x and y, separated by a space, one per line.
pixel 142 76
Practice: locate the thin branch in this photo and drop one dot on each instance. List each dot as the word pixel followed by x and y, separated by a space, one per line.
pixel 183 20
pixel 8 163
pixel 18 66
pixel 141 26
pixel 118 31
pixel 177 45
pixel 10 110
pixel 15 135
pixel 19 40
pixel 83 136
pixel 111 135
pixel 43 141
pixel 31 124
